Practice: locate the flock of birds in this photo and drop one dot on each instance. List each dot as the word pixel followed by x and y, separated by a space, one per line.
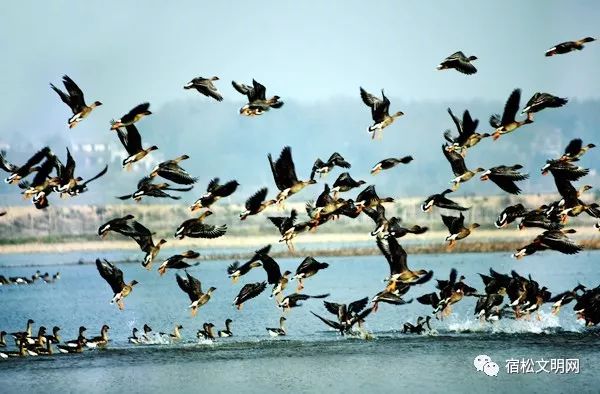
pixel 24 280
pixel 525 295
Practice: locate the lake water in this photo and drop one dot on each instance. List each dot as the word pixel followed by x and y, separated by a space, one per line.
pixel 311 358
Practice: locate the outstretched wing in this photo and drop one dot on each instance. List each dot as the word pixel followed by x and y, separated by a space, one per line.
pixel 272 269
pixel 253 203
pixel 111 274
pixel 77 101
pixel 457 162
pixel 358 305
pixel 511 107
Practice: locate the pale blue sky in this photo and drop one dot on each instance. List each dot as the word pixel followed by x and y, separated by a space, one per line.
pixel 126 52
pixel 308 52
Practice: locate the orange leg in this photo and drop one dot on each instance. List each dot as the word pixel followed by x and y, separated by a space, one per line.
pixel 451 245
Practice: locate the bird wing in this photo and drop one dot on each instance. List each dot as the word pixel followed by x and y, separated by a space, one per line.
pixel 453 223
pixel 369 99
pixel 317 165
pixel 250 291
pixel 305 264
pixel 394 254
pixel 233 267
pixel 574 147
pixel 456 121
pixel 226 189
pixel 399 256
pixel 36 158
pixel 464 66
pixel 357 306
pixel 42 174
pixel 76 99
pixel 5 165
pixel 444 202
pixel 286 170
pixel 137 110
pixel 333 324
pixel 133 140
pixel 332 307
pixel 69 168
pixel 195 284
pixel 511 107
pixel 63 96
pixel 429 299
pixel 139 229
pixel 253 203
pixel 276 177
pixel 367 194
pixel 505 183
pixel 173 172
pixel 338 160
pixel 98 175
pixel 111 274
pixel 375 214
pixel 556 240
pixel 272 269
pixel 201 230
pixel 277 220
pixel 381 109
pixel 457 162
pixel 213 185
pixel 241 88
pixel 144 241
pixel 260 92
pixel 469 125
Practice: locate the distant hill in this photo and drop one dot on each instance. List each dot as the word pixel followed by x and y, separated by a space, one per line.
pixel 222 143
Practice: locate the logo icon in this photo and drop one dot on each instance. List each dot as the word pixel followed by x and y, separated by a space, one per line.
pixel 484 363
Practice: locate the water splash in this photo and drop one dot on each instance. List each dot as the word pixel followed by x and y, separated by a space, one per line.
pixel 544 323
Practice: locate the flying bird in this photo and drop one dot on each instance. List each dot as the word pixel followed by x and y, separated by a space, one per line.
pixel 256 203
pixel 505 177
pixel 137 113
pixel 540 101
pixel 132 142
pixel 114 277
pixel 75 100
pixel 205 86
pixel 507 123
pixel 177 261
pixel 568 46
pixel 248 292
pixel 379 111
pixel 193 288
pixel 391 162
pixel 457 229
pixel 257 99
pixel 171 170
pixel 196 228
pixel 441 201
pixel 284 174
pixel 459 168
pixel 459 62
pixel 19 172
pixel 214 192
pixel 323 167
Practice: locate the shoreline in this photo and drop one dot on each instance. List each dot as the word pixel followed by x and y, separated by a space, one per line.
pixel 431 242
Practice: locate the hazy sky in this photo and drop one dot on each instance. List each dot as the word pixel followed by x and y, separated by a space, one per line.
pixel 126 52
